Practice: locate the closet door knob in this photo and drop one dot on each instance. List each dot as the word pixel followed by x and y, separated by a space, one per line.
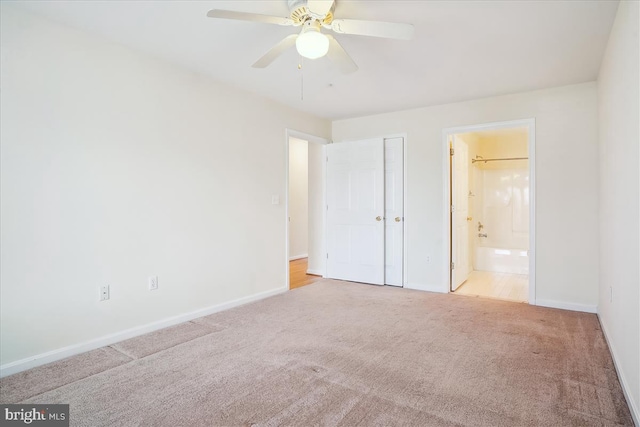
pixel 378 218
pixel 397 219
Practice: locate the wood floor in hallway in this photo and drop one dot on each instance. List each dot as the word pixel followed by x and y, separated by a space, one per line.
pixel 298 276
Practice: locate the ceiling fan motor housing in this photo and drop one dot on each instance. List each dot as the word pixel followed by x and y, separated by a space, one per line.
pixel 299 12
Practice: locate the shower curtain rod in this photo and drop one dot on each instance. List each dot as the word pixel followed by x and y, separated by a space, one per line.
pixel 495 160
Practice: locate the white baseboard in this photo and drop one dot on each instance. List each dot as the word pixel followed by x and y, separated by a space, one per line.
pixel 424 287
pixel 315 272
pixel 567 305
pixel 72 350
pixel 635 411
pixel 295 257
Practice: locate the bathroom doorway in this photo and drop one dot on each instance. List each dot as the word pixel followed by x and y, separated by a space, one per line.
pixel 490 218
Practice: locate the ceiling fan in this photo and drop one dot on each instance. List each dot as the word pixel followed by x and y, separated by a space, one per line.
pixel 312 15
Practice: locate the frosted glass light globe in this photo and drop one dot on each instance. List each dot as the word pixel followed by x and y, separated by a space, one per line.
pixel 312 43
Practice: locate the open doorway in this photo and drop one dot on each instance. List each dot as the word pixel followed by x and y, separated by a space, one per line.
pixel 491 216
pixel 305 214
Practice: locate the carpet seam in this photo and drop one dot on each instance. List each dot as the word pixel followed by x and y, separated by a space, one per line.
pixel 134 357
pixel 73 382
pixel 122 351
pixel 131 357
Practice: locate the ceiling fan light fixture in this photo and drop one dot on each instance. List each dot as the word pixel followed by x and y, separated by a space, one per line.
pixel 311 43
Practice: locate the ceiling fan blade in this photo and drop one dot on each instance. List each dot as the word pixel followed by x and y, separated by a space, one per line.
pixel 389 30
pixel 276 51
pixel 319 7
pixel 338 55
pixel 244 16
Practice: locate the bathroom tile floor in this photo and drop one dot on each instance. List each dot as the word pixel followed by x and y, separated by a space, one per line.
pixel 511 287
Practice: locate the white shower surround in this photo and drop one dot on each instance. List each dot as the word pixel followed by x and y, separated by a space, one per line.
pixel 502 206
pixel 501 260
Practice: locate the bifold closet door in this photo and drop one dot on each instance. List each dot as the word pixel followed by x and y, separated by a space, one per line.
pixel 394 210
pixel 355 211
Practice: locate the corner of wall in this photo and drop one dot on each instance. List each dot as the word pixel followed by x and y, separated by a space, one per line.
pixel 633 405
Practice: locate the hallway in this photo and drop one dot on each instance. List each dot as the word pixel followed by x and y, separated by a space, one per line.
pixel 298 276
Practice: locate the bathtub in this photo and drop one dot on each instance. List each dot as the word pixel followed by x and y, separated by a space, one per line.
pixel 500 260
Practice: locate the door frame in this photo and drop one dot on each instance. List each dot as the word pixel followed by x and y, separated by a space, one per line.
pixel 311 139
pixel 530 124
pixel 402 135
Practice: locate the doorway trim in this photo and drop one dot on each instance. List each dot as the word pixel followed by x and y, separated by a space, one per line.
pixel 311 139
pixel 530 124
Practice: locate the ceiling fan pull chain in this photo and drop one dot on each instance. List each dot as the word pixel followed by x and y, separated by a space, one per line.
pixel 301 78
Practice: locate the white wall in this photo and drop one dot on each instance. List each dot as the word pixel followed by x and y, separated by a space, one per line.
pixel 566 209
pixel 116 166
pixel 298 198
pixel 618 106
pixel 317 257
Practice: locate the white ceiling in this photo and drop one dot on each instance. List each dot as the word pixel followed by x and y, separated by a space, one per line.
pixel 461 50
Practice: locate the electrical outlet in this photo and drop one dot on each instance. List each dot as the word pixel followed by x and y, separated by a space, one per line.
pixel 428 259
pixel 104 292
pixel 153 283
pixel 610 293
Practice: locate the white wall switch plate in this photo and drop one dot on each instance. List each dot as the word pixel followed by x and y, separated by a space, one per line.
pixel 153 283
pixel 275 200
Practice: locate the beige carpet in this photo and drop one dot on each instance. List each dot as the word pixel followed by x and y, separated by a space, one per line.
pixel 337 353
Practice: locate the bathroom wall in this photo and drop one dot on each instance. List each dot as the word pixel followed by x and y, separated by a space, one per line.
pixel 501 144
pixel 501 190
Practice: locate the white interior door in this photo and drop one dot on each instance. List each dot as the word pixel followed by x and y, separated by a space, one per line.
pixel 355 211
pixel 394 210
pixel 460 226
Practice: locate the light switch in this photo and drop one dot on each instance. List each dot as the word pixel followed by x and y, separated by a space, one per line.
pixel 275 200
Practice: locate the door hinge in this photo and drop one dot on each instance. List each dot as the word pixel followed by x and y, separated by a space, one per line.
pixel 327 159
pixel 327 256
pixel 453 265
pixel 451 151
pixel 452 209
